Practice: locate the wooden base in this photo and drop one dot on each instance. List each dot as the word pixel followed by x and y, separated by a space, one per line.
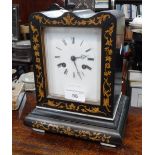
pixel 107 132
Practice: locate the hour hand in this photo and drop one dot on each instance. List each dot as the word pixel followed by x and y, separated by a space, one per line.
pixel 82 57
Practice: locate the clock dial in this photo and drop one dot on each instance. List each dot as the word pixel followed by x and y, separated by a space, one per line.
pixel 73 59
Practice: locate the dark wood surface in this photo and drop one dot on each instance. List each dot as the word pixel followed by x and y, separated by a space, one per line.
pixel 27 142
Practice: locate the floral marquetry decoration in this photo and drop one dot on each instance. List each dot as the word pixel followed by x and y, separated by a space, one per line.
pixel 95 136
pixel 107 69
pixel 71 20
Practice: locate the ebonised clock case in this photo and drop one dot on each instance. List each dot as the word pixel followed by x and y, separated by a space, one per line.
pixel 104 123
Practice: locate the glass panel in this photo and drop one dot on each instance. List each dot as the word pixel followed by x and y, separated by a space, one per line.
pixel 73 63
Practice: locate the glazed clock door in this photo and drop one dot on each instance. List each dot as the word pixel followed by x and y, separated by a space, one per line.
pixel 73 63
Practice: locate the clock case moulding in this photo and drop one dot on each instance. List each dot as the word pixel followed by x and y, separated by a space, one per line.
pixel 104 123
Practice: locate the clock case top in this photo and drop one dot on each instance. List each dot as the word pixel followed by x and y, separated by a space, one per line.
pixel 112 25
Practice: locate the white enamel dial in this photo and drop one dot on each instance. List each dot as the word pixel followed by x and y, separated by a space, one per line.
pixel 73 60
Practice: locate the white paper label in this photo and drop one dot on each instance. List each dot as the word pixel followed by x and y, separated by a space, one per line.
pixel 75 93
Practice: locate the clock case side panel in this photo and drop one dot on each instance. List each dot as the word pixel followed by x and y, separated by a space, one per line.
pixel 117 60
pixel 37 61
pixel 39 20
pixel 108 72
pixel 117 57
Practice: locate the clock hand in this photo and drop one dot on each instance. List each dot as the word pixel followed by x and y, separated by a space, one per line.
pixel 77 70
pixel 81 57
pixel 73 58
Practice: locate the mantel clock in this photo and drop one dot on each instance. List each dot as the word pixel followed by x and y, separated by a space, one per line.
pixel 77 75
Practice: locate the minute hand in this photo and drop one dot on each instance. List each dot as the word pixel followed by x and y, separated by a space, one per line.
pixel 77 70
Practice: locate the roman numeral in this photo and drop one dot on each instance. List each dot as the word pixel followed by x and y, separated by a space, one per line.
pixel 82 73
pixel 59 48
pixel 86 67
pixel 73 74
pixel 91 59
pixel 88 50
pixel 57 56
pixel 66 71
pixel 61 65
pixel 81 43
pixel 73 40
pixel 65 43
